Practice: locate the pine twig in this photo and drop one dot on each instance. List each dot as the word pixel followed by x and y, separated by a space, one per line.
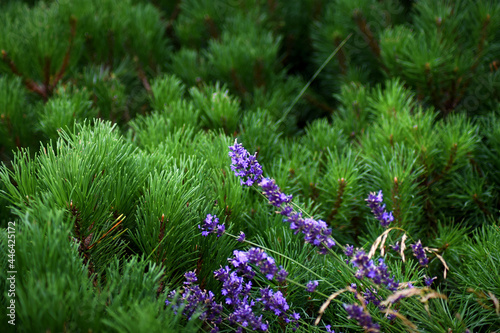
pixel 67 56
pixel 142 76
pixel 338 202
pixel 29 83
pixel 396 201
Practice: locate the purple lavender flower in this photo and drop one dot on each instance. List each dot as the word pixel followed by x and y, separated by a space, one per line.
pixel 311 286
pixel 428 280
pixel 273 192
pixel 363 318
pixel 396 247
pixel 236 288
pixel 316 233
pixel 194 299
pixel 257 257
pixel 379 274
pixel 190 278
pixel 244 165
pixel 329 329
pixel 281 275
pixel 371 296
pixel 241 238
pixel 211 226
pixel 391 316
pixel 375 203
pixel 243 314
pixel 419 253
pixel 286 210
pixel 349 250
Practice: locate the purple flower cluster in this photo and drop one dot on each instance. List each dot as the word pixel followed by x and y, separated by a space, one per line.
pixel 211 226
pixel 311 286
pixel 428 280
pixel 258 257
pixel 378 209
pixel 273 192
pixel 241 237
pixel 371 296
pixel 196 301
pixel 419 253
pixel 363 318
pixel 244 165
pixel 379 274
pixel 316 232
pixel 237 286
pixel 349 250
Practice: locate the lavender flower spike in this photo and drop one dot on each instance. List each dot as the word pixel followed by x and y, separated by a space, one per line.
pixel 311 286
pixel 244 165
pixel 375 203
pixel 211 226
pixel 419 253
pixel 273 192
pixel 363 318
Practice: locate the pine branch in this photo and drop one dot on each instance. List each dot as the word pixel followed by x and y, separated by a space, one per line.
pixel 338 201
pixel 448 166
pixel 237 82
pixel 323 106
pixel 395 196
pixel 367 34
pixel 67 56
pixel 29 83
pixel 212 28
pixel 341 57
pixel 142 76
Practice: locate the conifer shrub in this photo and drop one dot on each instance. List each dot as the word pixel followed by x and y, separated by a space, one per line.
pixel 237 166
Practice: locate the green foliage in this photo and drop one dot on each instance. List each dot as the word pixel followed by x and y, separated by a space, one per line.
pixel 64 109
pixel 16 117
pixel 479 275
pixel 115 123
pixel 218 108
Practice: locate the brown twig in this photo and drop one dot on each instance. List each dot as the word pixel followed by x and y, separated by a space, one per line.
pixel 212 28
pixel 396 209
pixel 258 77
pixel 341 56
pixel 237 83
pixel 29 83
pixel 142 76
pixel 67 56
pixel 320 105
pixel 448 166
pixel 480 204
pixel 338 201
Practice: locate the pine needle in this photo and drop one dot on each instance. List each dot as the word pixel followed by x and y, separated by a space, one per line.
pixel 285 114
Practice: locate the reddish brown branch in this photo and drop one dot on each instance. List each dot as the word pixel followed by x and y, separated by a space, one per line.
pixel 341 56
pixel 480 204
pixel 212 28
pixel 482 41
pixel 237 82
pixel 142 76
pixel 396 209
pixel 318 104
pixel 448 166
pixel 258 76
pixel 29 83
pixel 67 56
pixel 46 72
pixel 338 202
pixel 367 33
